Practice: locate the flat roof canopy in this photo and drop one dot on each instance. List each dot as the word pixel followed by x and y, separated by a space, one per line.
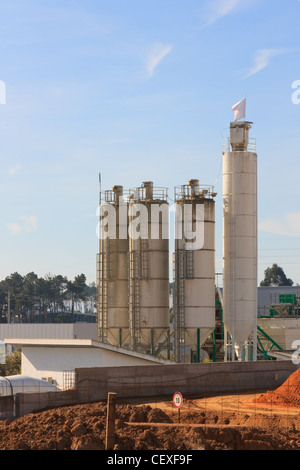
pixel 81 343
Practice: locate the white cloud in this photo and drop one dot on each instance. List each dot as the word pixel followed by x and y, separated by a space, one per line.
pixel 155 56
pixel 14 227
pixel 216 9
pixel 14 169
pixel 28 225
pixel 262 59
pixel 289 227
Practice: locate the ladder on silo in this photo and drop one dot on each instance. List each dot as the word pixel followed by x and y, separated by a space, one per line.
pixel 102 298
pixel 180 276
pixel 144 260
pixel 104 276
pixel 189 264
pixel 99 335
pixel 134 297
pixel 138 269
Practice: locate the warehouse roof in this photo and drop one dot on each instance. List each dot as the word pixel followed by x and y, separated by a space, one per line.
pixel 81 343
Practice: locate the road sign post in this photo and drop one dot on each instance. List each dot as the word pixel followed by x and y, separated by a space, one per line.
pixel 177 402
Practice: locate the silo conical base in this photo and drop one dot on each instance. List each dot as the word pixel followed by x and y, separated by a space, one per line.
pixel 116 337
pixel 190 344
pixel 154 341
pixel 240 350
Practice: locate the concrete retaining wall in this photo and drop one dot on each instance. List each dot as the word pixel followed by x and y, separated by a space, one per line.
pixel 7 407
pixel 27 402
pixel 14 406
pixel 141 381
pixel 94 383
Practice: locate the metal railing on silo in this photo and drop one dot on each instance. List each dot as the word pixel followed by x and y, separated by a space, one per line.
pixel 250 148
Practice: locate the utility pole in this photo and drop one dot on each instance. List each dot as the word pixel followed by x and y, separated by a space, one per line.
pixel 110 421
pixel 8 306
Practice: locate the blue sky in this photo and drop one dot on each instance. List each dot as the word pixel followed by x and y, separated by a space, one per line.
pixel 140 90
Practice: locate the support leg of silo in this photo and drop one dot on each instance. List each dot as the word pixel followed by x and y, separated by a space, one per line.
pixel 198 345
pixel 214 346
pixel 152 341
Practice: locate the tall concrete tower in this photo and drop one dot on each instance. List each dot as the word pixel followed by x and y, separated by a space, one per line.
pixel 194 303
pixel 149 268
pixel 112 268
pixel 240 244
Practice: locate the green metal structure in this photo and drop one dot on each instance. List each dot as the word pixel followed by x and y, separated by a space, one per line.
pixel 265 344
pixel 262 337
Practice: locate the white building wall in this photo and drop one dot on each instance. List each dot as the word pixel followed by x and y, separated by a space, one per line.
pixel 48 330
pixel 54 362
pixel 270 295
pixel 284 331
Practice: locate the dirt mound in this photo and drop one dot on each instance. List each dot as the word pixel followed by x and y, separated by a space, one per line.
pixel 79 427
pixel 142 414
pixel 288 394
pixel 142 427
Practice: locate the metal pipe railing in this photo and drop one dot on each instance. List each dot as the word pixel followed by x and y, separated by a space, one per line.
pixel 251 145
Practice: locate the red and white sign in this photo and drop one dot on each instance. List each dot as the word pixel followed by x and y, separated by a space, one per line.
pixel 177 399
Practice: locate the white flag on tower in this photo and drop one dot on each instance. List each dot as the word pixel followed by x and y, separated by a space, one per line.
pixel 239 110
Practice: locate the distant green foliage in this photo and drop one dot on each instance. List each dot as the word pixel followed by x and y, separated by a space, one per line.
pixel 12 364
pixel 32 297
pixel 275 276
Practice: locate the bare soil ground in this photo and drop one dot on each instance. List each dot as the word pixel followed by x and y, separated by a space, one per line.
pixel 260 421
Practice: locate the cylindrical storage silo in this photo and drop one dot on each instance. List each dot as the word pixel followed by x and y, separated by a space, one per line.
pixel 113 323
pixel 239 244
pixel 194 304
pixel 148 268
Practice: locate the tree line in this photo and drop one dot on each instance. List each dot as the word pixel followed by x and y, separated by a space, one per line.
pixel 52 298
pixel 275 276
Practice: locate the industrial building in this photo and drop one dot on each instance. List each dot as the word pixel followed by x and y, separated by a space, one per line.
pixel 133 280
pixel 55 360
pixel 133 269
pixel 137 324
pixel 204 322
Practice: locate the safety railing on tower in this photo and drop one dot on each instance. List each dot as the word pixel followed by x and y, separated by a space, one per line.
pixel 251 145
